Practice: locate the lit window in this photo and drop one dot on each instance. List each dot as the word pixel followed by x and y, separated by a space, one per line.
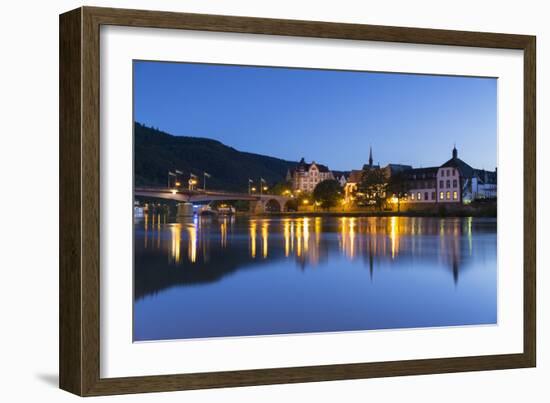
pixel 455 195
pixel 440 195
pixel 448 195
pixel 419 196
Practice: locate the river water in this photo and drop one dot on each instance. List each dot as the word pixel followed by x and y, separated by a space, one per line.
pixel 243 276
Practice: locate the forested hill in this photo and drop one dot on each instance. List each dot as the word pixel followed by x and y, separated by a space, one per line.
pixel 157 152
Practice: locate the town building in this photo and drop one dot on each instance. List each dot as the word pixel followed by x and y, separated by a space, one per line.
pixel 356 175
pixel 482 186
pixel 419 185
pixel 342 180
pixel 453 182
pixel 304 177
pixel 392 170
pixel 350 187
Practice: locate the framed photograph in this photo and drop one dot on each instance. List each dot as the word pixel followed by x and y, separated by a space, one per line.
pixel 250 201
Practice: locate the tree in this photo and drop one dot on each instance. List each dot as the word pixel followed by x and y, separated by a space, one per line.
pixel 281 188
pixel 328 193
pixel 372 187
pixel 397 189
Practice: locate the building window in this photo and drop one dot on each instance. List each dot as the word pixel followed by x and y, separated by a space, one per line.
pixel 425 195
pixel 441 184
pixel 440 195
pixel 448 195
pixel 454 172
pixel 448 183
pixel 455 195
pixel 412 196
pixel 454 183
pixel 419 196
pixel 433 195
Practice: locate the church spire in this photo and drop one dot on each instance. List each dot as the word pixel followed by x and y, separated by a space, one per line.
pixel 455 152
pixel 370 157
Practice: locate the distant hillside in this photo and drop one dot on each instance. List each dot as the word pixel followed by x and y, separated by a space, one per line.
pixel 157 152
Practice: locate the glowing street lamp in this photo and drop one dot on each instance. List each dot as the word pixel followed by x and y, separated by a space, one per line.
pixel 262 187
pixel 192 182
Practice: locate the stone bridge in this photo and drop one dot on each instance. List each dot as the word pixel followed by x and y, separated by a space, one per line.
pixel 259 203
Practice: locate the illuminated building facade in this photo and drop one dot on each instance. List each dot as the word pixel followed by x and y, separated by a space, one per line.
pixel 305 177
pixel 455 181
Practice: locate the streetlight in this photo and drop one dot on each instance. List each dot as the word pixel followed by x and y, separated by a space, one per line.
pixel 250 181
pixel 206 175
pixel 262 180
pixel 170 173
pixel 178 173
pixel 192 182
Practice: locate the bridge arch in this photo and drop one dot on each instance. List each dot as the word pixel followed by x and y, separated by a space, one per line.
pixel 273 205
pixel 258 203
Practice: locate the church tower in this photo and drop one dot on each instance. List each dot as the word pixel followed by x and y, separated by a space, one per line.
pixel 370 157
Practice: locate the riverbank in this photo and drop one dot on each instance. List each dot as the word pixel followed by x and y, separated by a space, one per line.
pixel 482 210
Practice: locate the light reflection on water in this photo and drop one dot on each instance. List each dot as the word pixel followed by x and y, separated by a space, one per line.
pixel 420 272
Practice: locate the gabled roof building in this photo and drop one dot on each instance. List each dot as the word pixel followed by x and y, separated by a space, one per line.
pixel 304 177
pixel 454 181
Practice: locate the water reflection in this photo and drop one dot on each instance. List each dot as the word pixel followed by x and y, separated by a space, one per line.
pixel 424 271
pixel 356 236
pixel 309 240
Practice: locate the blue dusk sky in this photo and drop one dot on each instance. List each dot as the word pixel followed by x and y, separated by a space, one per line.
pixel 328 116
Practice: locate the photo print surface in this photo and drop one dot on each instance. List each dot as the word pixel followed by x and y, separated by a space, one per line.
pixel 272 200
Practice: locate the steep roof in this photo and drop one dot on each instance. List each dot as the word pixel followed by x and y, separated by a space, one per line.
pixel 305 166
pixel 464 169
pixel 355 175
pixel 487 177
pixel 420 173
pixel 397 168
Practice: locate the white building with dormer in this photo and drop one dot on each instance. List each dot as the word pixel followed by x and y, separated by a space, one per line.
pixel 453 182
pixel 304 177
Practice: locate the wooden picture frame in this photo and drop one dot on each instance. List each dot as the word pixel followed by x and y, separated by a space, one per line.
pixel 80 198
